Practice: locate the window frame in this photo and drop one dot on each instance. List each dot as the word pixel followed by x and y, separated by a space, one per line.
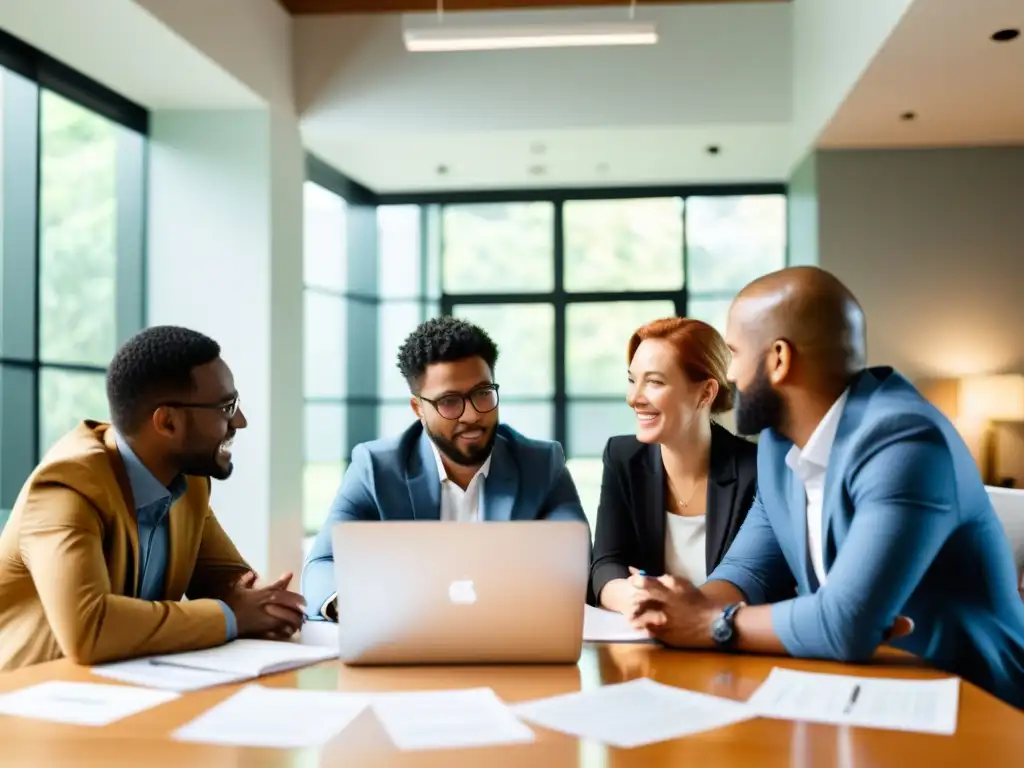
pixel 561 298
pixel 20 252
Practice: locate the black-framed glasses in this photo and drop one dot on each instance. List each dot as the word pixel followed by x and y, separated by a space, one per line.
pixel 228 409
pixel 483 399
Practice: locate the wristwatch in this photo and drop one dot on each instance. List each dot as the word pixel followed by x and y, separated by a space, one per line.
pixel 723 628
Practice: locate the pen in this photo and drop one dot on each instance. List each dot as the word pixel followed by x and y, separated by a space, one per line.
pixel 853 700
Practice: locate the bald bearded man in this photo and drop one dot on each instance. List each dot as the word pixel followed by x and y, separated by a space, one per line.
pixel 866 495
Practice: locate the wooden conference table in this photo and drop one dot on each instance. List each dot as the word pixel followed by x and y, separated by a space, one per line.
pixel 990 733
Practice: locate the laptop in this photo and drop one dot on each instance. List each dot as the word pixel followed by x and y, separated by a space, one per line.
pixel 431 592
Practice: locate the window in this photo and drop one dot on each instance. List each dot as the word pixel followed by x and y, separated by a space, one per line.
pixel 67 397
pixel 597 334
pixel 325 268
pixel 525 336
pixel 560 284
pixel 732 240
pixel 77 234
pixel 71 268
pixel 624 245
pixel 498 248
pixel 561 296
pixel 324 461
pixel 408 284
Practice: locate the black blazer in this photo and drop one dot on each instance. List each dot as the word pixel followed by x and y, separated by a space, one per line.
pixel 631 513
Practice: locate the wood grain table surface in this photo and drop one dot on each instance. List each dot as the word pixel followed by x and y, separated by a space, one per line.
pixel 990 733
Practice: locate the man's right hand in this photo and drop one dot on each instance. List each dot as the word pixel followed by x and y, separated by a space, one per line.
pixel 270 611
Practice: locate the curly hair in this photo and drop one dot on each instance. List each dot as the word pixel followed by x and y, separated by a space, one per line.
pixel 443 340
pixel 154 364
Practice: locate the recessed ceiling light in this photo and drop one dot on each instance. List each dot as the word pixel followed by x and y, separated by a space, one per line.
pixel 1006 35
pixel 442 170
pixel 714 149
pixel 602 167
pixel 538 148
pixel 908 116
pixel 537 170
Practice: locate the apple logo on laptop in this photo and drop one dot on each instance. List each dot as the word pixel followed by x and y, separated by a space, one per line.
pixel 462 592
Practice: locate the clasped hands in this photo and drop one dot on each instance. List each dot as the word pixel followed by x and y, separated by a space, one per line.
pixel 269 612
pixel 672 610
pixel 675 612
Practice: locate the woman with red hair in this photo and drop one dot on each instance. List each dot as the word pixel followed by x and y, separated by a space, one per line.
pixel 674 495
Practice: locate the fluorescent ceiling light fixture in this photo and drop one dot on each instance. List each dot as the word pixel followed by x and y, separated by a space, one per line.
pixel 496 38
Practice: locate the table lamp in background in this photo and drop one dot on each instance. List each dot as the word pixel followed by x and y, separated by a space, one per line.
pixel 988 401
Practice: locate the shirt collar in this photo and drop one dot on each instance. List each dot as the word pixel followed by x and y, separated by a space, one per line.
pixel 816 451
pixel 146 489
pixel 443 473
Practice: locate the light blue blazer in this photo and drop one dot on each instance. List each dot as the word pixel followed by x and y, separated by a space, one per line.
pixel 908 529
pixel 397 479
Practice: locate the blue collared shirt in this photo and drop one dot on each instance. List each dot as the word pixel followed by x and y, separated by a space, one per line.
pixel 153 502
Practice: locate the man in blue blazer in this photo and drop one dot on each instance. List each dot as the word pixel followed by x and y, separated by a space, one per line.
pixel 456 463
pixel 866 494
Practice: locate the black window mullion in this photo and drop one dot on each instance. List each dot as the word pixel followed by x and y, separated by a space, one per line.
pixel 561 403
pixel 682 306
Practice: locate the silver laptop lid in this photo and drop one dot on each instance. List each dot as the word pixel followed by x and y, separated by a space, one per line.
pixel 421 592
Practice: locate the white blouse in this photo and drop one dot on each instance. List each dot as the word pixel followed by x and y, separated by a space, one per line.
pixel 684 547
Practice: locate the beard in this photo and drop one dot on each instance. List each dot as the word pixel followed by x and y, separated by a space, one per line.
pixel 475 455
pixel 760 407
pixel 200 463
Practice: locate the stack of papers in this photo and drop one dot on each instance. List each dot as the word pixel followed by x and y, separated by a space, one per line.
pixel 449 719
pixel 926 706
pixel 601 626
pixel 286 718
pixel 282 718
pixel 229 663
pixel 633 714
pixel 81 703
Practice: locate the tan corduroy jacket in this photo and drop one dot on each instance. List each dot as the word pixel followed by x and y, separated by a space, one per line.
pixel 69 564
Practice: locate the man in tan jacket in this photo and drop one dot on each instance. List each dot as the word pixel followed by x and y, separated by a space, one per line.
pixel 114 526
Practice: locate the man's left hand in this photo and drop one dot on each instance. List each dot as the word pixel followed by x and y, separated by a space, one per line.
pixel 250 580
pixel 673 611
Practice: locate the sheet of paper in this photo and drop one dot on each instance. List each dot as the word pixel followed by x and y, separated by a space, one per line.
pixel 633 714
pixel 601 626
pixel 249 657
pixel 323 633
pixel 449 719
pixel 145 673
pixel 928 706
pixel 282 718
pixel 81 703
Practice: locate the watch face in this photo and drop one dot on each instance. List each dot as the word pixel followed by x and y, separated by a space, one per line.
pixel 721 632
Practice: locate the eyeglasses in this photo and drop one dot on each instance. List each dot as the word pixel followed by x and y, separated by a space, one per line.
pixel 483 399
pixel 228 409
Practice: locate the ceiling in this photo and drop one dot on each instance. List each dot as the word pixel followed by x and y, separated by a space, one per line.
pixel 311 7
pixel 649 115
pixel 939 81
pixel 632 115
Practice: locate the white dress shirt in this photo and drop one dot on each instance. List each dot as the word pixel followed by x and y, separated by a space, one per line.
pixel 457 505
pixel 810 465
pixel 685 552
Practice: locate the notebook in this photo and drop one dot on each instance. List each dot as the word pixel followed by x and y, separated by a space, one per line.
pixel 232 662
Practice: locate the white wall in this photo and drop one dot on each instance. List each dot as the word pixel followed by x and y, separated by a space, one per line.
pixel 121 45
pixel 225 258
pixel 252 39
pixel 833 43
pixel 932 243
